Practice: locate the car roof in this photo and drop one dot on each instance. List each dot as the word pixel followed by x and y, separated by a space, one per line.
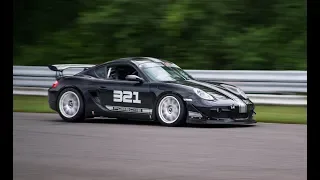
pixel 137 60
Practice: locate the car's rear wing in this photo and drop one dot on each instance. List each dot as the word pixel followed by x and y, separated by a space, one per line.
pixel 59 68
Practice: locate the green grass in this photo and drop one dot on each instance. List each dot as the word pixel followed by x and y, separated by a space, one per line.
pixel 274 114
pixel 31 104
pixel 282 114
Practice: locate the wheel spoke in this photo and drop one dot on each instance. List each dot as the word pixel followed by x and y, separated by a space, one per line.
pixel 67 111
pixel 71 111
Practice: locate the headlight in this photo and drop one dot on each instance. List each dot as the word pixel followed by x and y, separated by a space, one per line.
pixel 203 94
pixel 236 90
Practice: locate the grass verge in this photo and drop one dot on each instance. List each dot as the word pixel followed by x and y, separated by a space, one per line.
pixel 274 114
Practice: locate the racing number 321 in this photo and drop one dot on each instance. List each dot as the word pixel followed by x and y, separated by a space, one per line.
pixel 126 96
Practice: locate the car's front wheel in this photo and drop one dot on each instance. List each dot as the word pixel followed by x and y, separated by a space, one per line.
pixel 70 105
pixel 170 110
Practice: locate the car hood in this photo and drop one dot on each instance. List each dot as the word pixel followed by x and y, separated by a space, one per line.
pixel 212 87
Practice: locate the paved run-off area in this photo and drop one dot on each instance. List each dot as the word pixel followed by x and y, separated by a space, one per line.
pixel 45 147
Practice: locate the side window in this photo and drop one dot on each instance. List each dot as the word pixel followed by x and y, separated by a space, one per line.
pixel 120 72
pixel 101 72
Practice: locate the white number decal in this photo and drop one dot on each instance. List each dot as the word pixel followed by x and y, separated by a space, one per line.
pixel 117 96
pixel 136 100
pixel 126 96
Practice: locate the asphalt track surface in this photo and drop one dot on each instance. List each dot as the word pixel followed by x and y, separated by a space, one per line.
pixel 46 148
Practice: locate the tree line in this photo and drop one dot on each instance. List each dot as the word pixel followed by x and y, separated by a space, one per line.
pixel 202 34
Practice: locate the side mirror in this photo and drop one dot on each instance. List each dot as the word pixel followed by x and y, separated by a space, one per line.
pixel 134 78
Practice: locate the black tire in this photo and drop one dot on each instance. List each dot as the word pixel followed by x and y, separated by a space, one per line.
pixel 80 114
pixel 180 120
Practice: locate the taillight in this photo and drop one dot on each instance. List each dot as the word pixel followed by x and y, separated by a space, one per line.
pixel 55 84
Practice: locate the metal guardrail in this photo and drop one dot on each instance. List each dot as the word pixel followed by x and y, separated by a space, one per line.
pixel 255 83
pixel 261 82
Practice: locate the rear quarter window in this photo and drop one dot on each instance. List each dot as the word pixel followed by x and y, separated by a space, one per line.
pixel 101 72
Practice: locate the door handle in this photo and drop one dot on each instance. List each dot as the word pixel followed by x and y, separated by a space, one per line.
pixel 103 87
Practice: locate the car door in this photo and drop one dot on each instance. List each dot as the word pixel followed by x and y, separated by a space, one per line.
pixel 124 98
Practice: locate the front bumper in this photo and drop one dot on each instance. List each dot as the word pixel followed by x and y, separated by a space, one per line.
pixel 220 113
pixel 245 121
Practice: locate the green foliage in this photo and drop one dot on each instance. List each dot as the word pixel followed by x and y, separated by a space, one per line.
pixel 220 34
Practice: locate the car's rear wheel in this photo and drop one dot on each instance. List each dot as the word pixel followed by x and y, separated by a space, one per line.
pixel 170 110
pixel 70 105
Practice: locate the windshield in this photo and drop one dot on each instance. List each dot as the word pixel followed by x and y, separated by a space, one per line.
pixel 182 72
pixel 160 72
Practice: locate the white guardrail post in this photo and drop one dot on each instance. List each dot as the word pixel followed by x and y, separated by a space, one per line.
pixel 263 87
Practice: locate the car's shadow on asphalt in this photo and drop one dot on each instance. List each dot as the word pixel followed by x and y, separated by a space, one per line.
pixel 153 123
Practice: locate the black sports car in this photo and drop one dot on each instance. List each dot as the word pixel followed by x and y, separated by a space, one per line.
pixel 147 89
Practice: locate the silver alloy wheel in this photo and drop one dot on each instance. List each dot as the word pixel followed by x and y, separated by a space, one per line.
pixel 69 104
pixel 169 109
